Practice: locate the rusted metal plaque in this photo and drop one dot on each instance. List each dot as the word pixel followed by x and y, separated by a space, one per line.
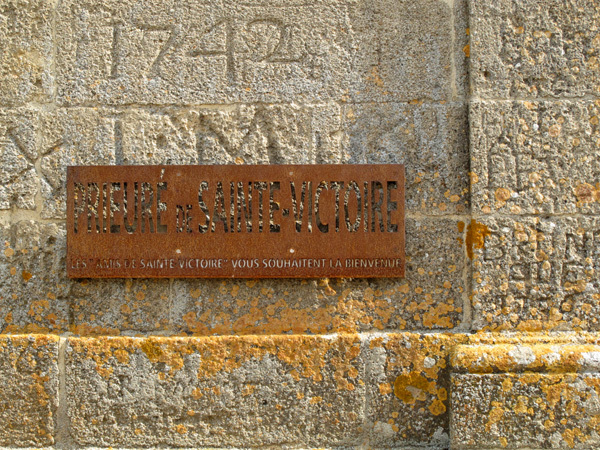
pixel 272 221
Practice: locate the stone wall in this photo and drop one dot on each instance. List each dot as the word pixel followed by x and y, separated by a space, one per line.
pixel 489 342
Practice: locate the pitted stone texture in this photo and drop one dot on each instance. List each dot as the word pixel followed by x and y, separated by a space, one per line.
pixel 408 387
pixel 529 410
pixel 535 157
pixel 28 390
pixel 241 134
pixel 25 51
pixel 112 307
pixel 240 392
pixel 536 273
pixel 431 140
pixel 71 137
pixel 405 50
pixel 430 297
pixel 168 52
pixel 19 182
pixel 547 48
pixel 33 283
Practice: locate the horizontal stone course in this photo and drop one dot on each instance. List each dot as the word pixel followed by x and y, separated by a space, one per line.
pixel 431 297
pixel 270 51
pixel 517 356
pixel 239 392
pixel 36 295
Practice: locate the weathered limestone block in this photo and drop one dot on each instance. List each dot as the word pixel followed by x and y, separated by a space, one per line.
pixel 525 396
pixel 268 51
pixel 28 390
pixel 547 48
pixel 536 273
pixel 19 182
pixel 76 136
pixel 238 134
pixel 430 139
pixel 407 51
pixel 33 283
pixel 215 391
pixel 408 388
pixel 169 52
pixel 119 306
pixel 25 51
pixel 431 297
pixel 535 157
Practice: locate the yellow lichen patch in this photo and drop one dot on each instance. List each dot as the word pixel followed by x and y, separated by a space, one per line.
pixel 437 407
pixel 385 388
pixel 416 363
pixel 554 130
pixel 494 417
pixel 502 195
pixel 475 239
pixel 503 357
pixel 570 435
pixel 197 393
pixel 411 387
pixel 586 193
pixel 26 275
pixel 308 357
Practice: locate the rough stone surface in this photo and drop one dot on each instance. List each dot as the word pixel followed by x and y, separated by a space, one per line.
pixel 535 157
pixel 238 134
pixel 529 410
pixel 26 47
pixel 71 137
pixel 430 139
pixel 19 182
pixel 33 283
pixel 431 297
pixel 284 391
pixel 219 52
pixel 28 390
pixel 546 48
pixel 399 42
pixel 535 273
pixel 494 109
pixel 408 388
pixel 209 52
pixel 112 307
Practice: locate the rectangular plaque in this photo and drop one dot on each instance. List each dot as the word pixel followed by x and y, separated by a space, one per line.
pixel 293 221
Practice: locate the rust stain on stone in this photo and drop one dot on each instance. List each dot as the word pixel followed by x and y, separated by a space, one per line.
pixel 476 234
